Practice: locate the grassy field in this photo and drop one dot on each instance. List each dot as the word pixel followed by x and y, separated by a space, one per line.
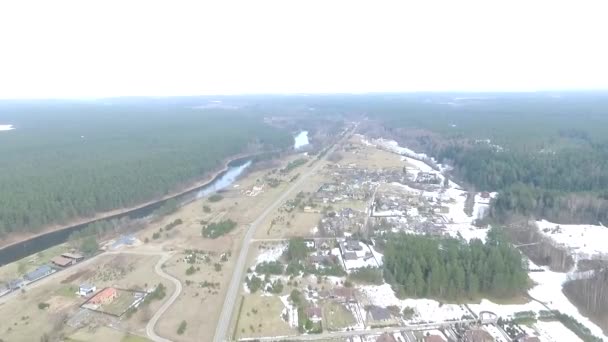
pixel 119 305
pixel 103 334
pixel 261 316
pixel 336 316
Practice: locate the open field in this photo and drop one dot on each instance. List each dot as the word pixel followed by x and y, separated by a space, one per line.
pixel 365 156
pixel 336 316
pixel 103 334
pixel 261 316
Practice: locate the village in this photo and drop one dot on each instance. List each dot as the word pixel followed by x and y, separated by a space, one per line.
pixel 336 291
pixel 315 269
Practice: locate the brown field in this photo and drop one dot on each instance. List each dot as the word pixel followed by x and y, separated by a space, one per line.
pixel 370 157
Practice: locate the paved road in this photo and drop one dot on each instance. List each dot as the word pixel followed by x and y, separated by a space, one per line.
pixel 221 331
pixel 375 331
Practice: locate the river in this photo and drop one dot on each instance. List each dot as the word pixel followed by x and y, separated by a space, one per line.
pixel 39 243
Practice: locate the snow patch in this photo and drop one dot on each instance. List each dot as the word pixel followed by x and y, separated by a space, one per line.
pixel 586 241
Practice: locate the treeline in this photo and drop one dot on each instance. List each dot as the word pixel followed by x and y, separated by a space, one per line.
pixel 72 160
pixel 591 294
pixel 217 229
pixel 447 268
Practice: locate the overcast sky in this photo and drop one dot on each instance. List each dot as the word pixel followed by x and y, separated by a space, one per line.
pixel 118 48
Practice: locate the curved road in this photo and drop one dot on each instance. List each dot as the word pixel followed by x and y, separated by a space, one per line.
pixel 178 289
pixel 221 331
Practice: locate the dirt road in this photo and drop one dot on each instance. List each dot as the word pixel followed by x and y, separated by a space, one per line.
pixel 150 332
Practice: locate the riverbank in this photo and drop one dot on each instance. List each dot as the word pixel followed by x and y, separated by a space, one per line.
pixel 19 238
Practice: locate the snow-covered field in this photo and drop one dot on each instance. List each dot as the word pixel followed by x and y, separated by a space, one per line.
pixel 555 332
pixel 505 310
pixel 549 291
pixel 6 127
pixel 586 241
pixel 427 310
pixel 290 311
pixel 271 254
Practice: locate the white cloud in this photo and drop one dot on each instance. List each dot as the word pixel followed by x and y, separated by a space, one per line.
pixel 107 48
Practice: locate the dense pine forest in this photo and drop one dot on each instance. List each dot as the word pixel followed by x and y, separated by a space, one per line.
pixel 445 268
pixel 73 159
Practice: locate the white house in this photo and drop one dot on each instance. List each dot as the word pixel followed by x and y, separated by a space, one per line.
pixel 86 289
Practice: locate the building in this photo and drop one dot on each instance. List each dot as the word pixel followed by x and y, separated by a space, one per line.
pixel 351 245
pixel 386 337
pixel 74 256
pixel 314 313
pixel 350 256
pixel 104 296
pixel 62 261
pixel 379 314
pixel 477 335
pixel 86 289
pixel 529 339
pixel 433 338
pixel 15 284
pixel 38 273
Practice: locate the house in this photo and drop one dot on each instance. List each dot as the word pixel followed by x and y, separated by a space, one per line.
pixel 62 261
pixel 379 314
pixel 104 296
pixel 350 256
pixel 86 289
pixel 386 337
pixel 433 338
pixel 38 273
pixel 529 339
pixel 351 245
pixel 75 256
pixel 314 313
pixel 477 335
pixel 310 243
pixel 15 284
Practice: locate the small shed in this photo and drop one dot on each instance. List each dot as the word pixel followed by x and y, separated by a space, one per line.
pixel 62 261
pixel 74 256
pixel 86 289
